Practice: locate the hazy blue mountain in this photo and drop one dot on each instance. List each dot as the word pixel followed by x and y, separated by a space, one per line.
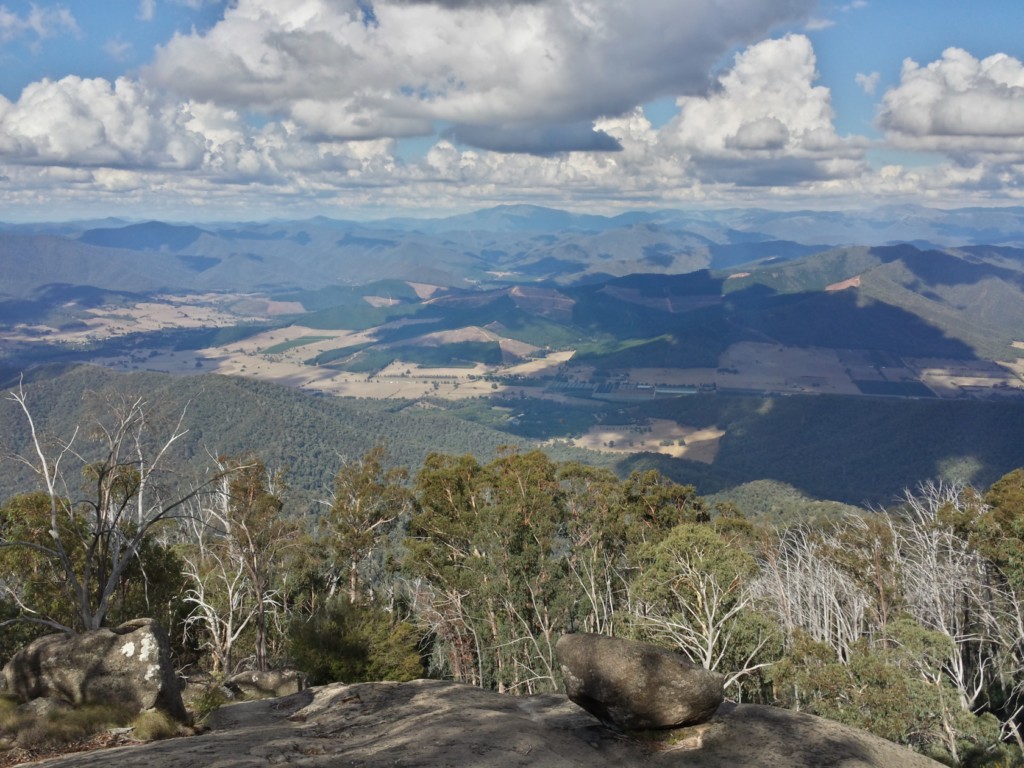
pixel 30 262
pixel 501 246
pixel 151 236
pixel 65 228
pixel 508 218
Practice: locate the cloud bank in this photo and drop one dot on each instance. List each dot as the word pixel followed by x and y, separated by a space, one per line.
pixel 349 69
pixel 310 103
pixel 958 104
pixel 767 123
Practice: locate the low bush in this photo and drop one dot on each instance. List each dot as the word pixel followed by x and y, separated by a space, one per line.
pixel 154 725
pixel 351 643
pixel 207 701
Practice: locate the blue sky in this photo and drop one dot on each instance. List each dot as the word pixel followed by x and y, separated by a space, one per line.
pixel 197 109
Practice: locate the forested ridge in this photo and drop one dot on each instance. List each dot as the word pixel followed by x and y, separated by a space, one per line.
pixel 305 436
pixel 855 450
pixel 904 620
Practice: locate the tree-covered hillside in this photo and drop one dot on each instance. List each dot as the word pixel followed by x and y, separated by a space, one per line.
pixel 855 450
pixel 306 436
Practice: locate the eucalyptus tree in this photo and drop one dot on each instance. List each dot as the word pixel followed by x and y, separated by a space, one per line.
pixel 945 584
pixel 367 504
pixel 695 595
pixel 105 489
pixel 506 556
pixel 596 548
pixel 235 554
pixel 487 544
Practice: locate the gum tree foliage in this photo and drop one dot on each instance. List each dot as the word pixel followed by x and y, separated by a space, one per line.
pixel 695 594
pixel 484 546
pixel 905 622
pixel 368 501
pixel 505 557
pixel 997 532
pixel 596 552
pixel 152 584
pixel 104 490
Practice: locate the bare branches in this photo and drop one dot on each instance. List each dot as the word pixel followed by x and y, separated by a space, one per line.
pixel 804 587
pixel 98 525
pixel 233 559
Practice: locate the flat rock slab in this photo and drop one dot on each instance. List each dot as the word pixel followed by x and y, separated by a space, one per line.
pixel 434 724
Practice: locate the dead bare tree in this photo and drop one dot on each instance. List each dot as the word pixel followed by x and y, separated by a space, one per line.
pixel 807 591
pixel 945 585
pixel 233 554
pixel 97 524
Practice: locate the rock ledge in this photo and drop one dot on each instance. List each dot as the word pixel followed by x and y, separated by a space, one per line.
pixel 432 724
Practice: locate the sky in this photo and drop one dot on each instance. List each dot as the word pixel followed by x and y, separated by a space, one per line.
pixel 200 110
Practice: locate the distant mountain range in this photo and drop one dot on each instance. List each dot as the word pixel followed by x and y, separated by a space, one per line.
pixel 502 245
pixel 659 288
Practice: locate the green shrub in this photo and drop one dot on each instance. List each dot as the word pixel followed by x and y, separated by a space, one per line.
pixel 352 643
pixel 154 725
pixel 67 726
pixel 208 701
pixel 12 719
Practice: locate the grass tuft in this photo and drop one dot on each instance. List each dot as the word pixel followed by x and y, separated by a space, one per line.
pixel 33 732
pixel 154 725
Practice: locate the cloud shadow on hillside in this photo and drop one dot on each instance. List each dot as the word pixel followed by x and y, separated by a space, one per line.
pixel 939 268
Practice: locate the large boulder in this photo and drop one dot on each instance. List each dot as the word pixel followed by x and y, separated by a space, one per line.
pixel 634 685
pixel 129 665
pixel 274 683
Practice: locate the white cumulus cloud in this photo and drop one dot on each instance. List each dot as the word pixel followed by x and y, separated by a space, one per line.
pixel 352 69
pixel 767 123
pixel 958 104
pixel 93 122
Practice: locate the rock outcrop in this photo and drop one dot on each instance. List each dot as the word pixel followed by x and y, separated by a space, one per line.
pixel 636 686
pixel 274 683
pixel 129 665
pixel 435 724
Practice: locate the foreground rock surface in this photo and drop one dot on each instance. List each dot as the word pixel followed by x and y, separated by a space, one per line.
pixel 636 685
pixel 429 723
pixel 128 665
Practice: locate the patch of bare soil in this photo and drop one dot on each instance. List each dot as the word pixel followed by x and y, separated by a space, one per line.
pixel 853 282
pixel 381 301
pixel 454 336
pixel 424 290
pixel 542 301
pixel 659 436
